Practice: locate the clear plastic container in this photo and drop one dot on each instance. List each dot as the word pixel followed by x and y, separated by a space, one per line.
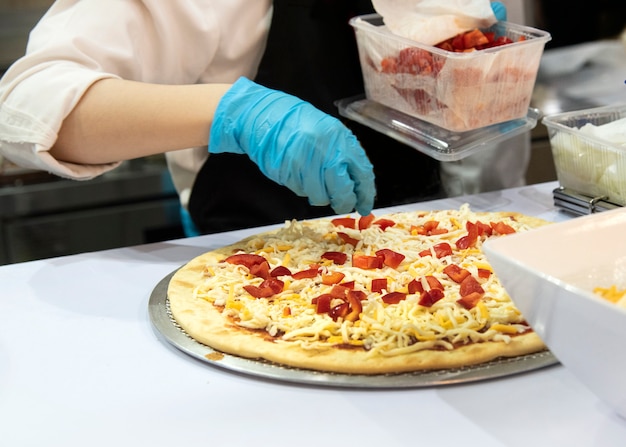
pixel 585 163
pixel 460 91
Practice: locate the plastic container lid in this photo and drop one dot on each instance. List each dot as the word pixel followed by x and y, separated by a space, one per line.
pixel 434 141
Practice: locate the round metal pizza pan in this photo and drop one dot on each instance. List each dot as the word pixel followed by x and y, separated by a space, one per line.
pixel 161 318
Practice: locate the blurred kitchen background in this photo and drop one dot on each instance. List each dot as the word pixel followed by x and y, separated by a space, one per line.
pixel 43 216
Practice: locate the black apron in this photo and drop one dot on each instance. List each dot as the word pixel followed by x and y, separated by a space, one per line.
pixel 311 53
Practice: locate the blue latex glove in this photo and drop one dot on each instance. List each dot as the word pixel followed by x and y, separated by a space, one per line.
pixel 499 10
pixel 295 145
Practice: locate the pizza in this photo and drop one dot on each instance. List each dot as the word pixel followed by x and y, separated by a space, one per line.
pixel 395 293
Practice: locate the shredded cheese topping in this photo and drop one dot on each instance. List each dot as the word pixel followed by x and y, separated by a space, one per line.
pixel 382 329
pixel 612 294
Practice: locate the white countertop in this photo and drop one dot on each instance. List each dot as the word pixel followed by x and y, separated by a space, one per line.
pixel 81 365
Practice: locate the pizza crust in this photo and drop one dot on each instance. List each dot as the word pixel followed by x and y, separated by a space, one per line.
pixel 207 324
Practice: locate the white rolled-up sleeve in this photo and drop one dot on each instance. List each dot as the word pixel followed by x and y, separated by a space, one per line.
pixel 79 42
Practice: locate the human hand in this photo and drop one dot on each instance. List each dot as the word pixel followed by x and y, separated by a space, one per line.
pixel 295 145
pixel 499 10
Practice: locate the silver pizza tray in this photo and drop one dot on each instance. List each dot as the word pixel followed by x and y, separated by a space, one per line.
pixel 164 323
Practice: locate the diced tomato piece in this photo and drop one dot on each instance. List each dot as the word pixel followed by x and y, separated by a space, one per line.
pixel 261 270
pixel 366 221
pixel 430 297
pixel 379 284
pixel 347 238
pixel 322 303
pixel 347 222
pixel 331 278
pixel 502 228
pixel 339 311
pixel 354 301
pixel 366 262
pixel 384 223
pixel 393 297
pixel 267 288
pixel 469 301
pixel 308 273
pixel 470 285
pixel 281 270
pixel 441 250
pixel 456 273
pixel 337 257
pixel 390 258
pixel 484 273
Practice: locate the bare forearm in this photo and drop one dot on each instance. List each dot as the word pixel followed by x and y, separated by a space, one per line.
pixel 120 120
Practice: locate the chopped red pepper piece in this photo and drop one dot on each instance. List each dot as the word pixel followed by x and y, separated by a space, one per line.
pixel 441 250
pixel 471 238
pixel 393 297
pixel 433 282
pixel 261 270
pixel 366 221
pixel 337 257
pixel 470 285
pixel 366 262
pixel 332 278
pixel 430 297
pixel 348 284
pixel 456 273
pixel 390 258
pixel 379 284
pixel 245 259
pixel 340 310
pixel 267 288
pixel 322 303
pixel 347 238
pixel 415 286
pixel 281 270
pixel 347 222
pixel 502 228
pixel 484 273
pixel 339 291
pixel 354 301
pixel 384 223
pixel 469 301
pixel 308 273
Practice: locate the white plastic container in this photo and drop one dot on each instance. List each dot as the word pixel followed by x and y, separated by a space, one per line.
pixel 584 163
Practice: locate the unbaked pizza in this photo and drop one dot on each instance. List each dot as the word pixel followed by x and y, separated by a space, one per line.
pixel 400 292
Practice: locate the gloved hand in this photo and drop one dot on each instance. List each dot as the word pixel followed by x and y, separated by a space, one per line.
pixel 499 10
pixel 296 145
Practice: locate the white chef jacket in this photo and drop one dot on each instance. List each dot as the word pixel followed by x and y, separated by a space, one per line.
pixel 79 42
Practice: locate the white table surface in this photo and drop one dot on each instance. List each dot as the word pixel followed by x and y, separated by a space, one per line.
pixel 81 365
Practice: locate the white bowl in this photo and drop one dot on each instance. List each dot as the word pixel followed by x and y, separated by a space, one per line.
pixel 550 274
